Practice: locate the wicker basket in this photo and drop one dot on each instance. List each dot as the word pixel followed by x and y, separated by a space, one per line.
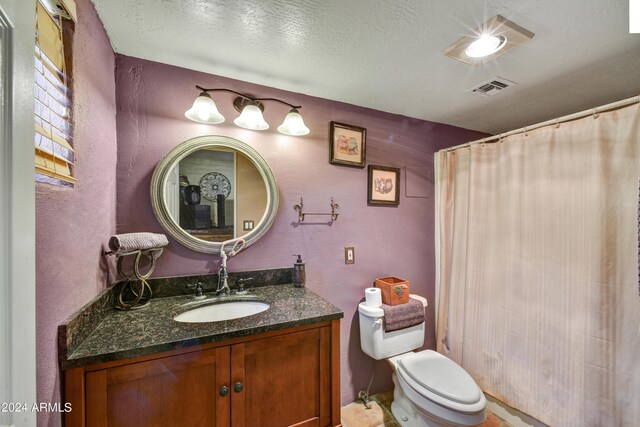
pixel 394 290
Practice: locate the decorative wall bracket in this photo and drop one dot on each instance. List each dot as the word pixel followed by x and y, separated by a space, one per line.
pixel 142 292
pixel 302 214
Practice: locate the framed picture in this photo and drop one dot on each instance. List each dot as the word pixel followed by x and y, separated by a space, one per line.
pixel 347 145
pixel 383 186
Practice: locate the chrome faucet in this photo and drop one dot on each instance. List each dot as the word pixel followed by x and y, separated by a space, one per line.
pixel 223 286
pixel 223 275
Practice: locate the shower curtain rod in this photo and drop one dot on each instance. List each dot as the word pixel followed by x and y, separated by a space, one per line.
pixel 592 111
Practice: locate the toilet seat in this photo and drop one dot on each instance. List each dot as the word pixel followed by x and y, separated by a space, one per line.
pixel 440 380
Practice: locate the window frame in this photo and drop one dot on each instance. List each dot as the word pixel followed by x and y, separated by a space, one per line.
pixel 54 153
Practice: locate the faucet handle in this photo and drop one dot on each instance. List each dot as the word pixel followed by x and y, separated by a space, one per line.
pixel 198 285
pixel 241 283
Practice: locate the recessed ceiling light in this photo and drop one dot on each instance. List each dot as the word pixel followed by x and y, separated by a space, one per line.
pixel 485 46
pixel 495 37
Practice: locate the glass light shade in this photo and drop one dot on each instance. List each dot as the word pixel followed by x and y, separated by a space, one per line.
pixel 251 118
pixel 485 45
pixel 204 110
pixel 293 124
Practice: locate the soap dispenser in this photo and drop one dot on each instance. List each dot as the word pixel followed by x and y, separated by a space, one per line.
pixel 299 276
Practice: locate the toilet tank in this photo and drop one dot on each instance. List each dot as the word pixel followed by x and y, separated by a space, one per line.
pixel 380 344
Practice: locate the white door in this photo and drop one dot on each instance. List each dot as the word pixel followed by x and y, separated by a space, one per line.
pixel 17 213
pixel 172 193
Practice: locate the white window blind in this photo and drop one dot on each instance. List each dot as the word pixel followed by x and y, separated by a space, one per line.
pixel 54 154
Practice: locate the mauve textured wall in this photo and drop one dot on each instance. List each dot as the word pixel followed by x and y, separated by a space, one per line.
pixel 152 99
pixel 72 224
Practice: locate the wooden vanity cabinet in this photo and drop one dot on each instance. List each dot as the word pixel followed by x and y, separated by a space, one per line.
pixel 281 378
pixel 171 391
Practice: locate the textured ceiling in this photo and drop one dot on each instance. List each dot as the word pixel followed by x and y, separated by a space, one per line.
pixel 387 54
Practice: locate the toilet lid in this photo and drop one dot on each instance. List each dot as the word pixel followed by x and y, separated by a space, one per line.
pixel 441 376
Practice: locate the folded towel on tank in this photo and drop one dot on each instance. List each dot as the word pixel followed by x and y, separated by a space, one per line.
pixel 403 315
pixel 129 242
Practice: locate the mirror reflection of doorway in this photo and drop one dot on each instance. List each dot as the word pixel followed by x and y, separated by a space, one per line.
pixel 211 193
pixel 207 194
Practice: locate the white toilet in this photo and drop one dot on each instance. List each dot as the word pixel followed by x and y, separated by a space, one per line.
pixel 429 389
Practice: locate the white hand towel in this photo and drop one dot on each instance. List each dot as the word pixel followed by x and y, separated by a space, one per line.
pixel 128 242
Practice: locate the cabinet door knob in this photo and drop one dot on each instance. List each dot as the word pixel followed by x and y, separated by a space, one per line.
pixel 224 390
pixel 237 387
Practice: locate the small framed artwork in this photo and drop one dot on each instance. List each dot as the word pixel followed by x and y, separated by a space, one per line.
pixel 383 186
pixel 347 145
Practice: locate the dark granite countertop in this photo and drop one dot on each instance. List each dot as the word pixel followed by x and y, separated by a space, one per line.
pixel 123 334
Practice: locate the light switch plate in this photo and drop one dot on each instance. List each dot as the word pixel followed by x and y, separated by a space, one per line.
pixel 349 255
pixel 247 225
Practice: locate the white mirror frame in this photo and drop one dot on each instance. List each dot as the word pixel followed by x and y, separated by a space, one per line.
pixel 164 167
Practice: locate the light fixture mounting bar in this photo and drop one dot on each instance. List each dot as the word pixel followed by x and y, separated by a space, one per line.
pixel 244 95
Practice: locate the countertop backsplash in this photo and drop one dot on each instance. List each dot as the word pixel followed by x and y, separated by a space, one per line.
pixel 174 286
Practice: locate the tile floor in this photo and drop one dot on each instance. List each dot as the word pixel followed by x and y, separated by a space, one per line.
pixel 355 415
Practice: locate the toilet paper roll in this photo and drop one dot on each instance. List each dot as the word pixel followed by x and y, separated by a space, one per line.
pixel 373 297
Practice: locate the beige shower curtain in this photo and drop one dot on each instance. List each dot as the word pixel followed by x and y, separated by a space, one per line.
pixel 538 295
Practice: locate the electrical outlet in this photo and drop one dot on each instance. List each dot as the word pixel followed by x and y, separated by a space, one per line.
pixel 349 255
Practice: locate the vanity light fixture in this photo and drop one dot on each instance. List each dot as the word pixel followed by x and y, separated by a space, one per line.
pixel 204 110
pixel 495 37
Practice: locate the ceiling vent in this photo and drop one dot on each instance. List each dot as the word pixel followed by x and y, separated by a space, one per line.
pixel 492 87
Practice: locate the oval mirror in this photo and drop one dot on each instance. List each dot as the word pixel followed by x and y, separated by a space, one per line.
pixel 213 189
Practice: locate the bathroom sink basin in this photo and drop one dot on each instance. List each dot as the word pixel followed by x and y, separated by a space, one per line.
pixel 222 311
